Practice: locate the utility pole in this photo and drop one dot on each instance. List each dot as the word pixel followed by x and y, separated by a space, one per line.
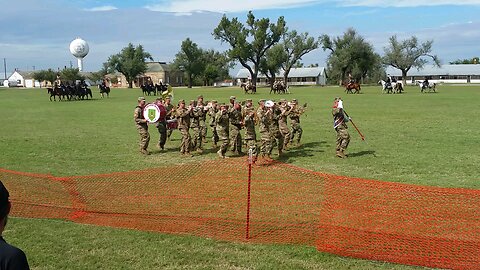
pixel 5 66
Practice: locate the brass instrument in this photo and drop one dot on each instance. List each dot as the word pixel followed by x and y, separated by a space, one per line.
pixel 168 93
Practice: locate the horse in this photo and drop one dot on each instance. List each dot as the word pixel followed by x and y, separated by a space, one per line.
pixel 249 87
pixel 352 86
pixel 394 87
pixel 279 88
pixel 148 89
pixel 160 88
pixel 54 92
pixel 431 86
pixel 82 91
pixel 104 90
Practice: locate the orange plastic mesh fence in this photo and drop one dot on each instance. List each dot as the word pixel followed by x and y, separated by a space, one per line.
pixel 428 226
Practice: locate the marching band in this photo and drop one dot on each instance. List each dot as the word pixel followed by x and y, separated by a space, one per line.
pixel 226 122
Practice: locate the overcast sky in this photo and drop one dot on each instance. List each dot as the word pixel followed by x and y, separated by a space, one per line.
pixel 36 34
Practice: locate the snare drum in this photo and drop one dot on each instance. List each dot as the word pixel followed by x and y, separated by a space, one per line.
pixel 172 124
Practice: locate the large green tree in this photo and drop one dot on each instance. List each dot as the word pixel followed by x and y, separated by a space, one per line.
pixel 216 67
pixel 130 62
pixel 189 59
pixel 71 75
pixel 46 75
pixel 295 46
pixel 272 62
pixel 404 55
pixel 99 75
pixel 249 42
pixel 350 53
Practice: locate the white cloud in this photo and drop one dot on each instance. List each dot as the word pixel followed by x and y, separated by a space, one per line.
pixel 186 7
pixel 226 5
pixel 406 3
pixel 101 8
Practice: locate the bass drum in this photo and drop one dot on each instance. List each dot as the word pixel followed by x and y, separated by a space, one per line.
pixel 162 111
pixel 154 112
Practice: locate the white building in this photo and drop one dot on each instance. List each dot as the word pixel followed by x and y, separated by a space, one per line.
pixel 22 79
pixel 297 76
pixel 463 73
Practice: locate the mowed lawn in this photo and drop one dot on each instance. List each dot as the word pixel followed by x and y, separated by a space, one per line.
pixel 419 138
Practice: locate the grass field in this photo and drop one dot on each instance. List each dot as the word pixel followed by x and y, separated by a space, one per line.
pixel 426 139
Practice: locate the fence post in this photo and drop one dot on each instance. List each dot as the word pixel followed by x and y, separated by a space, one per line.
pixel 250 161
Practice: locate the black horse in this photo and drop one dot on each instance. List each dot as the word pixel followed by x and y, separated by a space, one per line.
pixel 54 92
pixel 148 89
pixel 104 90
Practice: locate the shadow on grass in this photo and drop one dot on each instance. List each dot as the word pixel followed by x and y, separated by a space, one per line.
pixel 304 150
pixel 362 153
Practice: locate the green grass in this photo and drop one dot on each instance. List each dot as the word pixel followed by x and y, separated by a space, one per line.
pixel 52 244
pixel 426 139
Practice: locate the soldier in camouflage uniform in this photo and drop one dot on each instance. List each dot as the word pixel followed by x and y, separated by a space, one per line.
pixel 236 122
pixel 250 135
pixel 202 119
pixel 161 126
pixel 142 126
pixel 277 137
pixel 264 116
pixel 212 112
pixel 295 121
pixel 282 122
pixel 170 113
pixel 183 118
pixel 196 143
pixel 222 126
pixel 340 126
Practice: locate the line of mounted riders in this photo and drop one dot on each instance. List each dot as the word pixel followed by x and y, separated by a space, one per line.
pixel 278 87
pixel 79 91
pixel 153 89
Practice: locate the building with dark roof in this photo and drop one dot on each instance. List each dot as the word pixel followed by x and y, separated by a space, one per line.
pixel 22 79
pixel 156 72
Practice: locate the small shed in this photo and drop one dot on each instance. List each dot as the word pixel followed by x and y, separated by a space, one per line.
pixel 23 79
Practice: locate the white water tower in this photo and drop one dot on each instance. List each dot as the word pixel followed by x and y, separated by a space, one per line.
pixel 79 49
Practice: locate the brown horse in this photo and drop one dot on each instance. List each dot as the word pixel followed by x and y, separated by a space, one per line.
pixel 249 87
pixel 349 87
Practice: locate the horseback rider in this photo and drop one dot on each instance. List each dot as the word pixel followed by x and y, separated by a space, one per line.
pixel 388 81
pixel 351 80
pixel 426 84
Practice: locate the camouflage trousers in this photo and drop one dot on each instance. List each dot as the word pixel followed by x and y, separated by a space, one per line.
pixel 203 131
pixel 215 137
pixel 224 139
pixel 343 138
pixel 277 141
pixel 196 139
pixel 265 143
pixel 144 137
pixel 285 131
pixel 162 130
pixel 296 128
pixel 235 139
pixel 185 144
